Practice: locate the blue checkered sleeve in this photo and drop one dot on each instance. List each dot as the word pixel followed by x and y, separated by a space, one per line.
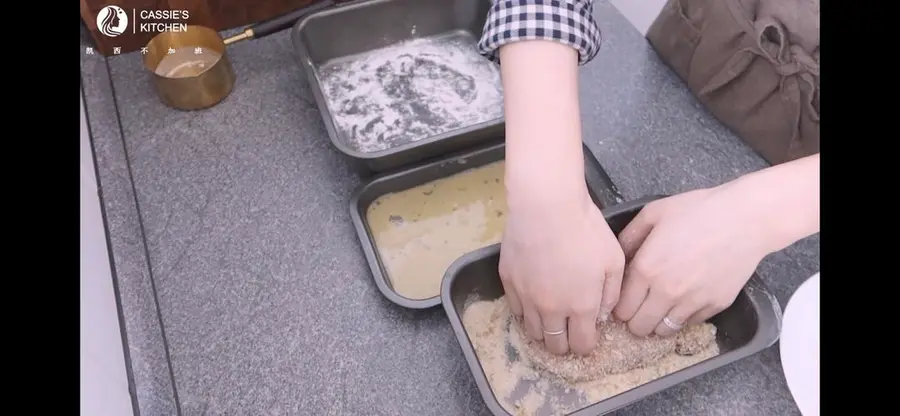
pixel 569 22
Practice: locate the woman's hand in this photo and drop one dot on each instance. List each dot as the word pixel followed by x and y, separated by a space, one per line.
pixel 561 268
pixel 690 254
pixel 559 261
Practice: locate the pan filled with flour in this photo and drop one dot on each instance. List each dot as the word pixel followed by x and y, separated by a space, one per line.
pixel 400 81
pixel 411 91
pixel 518 376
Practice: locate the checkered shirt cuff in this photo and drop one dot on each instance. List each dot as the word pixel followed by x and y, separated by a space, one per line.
pixel 569 22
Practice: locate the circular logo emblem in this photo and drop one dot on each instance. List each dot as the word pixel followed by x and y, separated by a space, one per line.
pixel 112 21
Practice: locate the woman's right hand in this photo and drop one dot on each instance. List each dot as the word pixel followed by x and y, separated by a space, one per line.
pixel 561 268
pixel 560 264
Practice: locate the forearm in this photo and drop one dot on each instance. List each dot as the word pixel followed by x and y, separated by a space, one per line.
pixel 540 44
pixel 783 200
pixel 544 154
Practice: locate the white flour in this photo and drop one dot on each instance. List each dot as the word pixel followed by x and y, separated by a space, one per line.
pixel 409 91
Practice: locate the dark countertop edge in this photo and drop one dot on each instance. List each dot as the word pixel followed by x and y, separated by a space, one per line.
pixel 150 378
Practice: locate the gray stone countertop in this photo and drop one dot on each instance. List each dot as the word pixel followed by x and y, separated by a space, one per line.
pixel 242 285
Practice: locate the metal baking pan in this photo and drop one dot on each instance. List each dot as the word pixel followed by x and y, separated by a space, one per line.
pixel 751 324
pixel 601 188
pixel 355 27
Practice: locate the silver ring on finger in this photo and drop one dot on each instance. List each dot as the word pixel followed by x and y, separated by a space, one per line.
pixel 560 332
pixel 672 324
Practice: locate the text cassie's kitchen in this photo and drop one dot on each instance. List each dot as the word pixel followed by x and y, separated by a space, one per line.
pixel 157 21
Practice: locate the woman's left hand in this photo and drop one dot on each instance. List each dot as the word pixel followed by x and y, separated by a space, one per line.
pixel 688 255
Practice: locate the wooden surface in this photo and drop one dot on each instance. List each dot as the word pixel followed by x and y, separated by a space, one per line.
pixel 217 14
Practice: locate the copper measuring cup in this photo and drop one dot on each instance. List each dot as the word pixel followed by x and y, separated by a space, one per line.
pixel 190 69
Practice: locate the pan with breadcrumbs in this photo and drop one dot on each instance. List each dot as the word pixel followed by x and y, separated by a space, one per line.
pixel 517 376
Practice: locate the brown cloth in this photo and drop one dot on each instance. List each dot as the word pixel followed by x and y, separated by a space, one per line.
pixel 754 64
